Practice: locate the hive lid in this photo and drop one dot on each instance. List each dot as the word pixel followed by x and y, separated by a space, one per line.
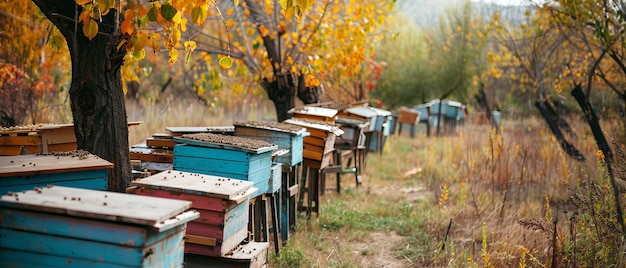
pixel 22 165
pixel 273 126
pixel 99 205
pixel 226 142
pixel 316 125
pixel 316 111
pixel 198 184
pixel 208 129
pixel 365 112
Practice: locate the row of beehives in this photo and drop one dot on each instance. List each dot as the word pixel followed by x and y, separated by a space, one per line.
pixel 219 220
pixel 55 213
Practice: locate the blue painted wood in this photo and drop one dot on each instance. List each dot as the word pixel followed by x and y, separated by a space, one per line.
pixel 284 140
pixel 90 183
pixel 88 179
pixel 100 231
pixel 220 146
pixel 234 167
pixel 21 259
pixel 274 184
pixel 78 248
pixel 197 151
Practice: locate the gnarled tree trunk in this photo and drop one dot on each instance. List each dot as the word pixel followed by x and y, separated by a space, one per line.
pixel 97 98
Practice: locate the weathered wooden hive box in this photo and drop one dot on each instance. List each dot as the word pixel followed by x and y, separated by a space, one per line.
pixel 248 255
pixel 39 138
pixel 72 169
pixel 285 136
pixel 314 113
pixel 227 156
pixel 223 204
pixel 319 145
pixel 59 226
pixel 42 138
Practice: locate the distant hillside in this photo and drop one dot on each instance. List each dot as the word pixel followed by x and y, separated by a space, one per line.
pixel 428 12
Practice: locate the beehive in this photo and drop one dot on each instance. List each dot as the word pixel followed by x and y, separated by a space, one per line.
pixel 319 145
pixel 223 204
pixel 285 136
pixel 314 113
pixel 73 169
pixel 69 227
pixel 228 156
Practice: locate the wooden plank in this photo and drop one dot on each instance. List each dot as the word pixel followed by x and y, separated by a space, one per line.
pixel 201 202
pixel 144 153
pixel 178 131
pixel 51 178
pixel 61 147
pixel 96 204
pixel 221 248
pixel 57 134
pixel 220 232
pixel 19 140
pixel 221 217
pixel 315 126
pixel 37 164
pixel 197 184
pixel 200 240
pixel 162 143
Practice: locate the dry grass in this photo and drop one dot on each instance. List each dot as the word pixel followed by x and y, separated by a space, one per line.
pixel 474 179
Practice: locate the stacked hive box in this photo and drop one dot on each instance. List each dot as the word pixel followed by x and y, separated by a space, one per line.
pixel 41 138
pixel 73 169
pixel 156 154
pixel 68 227
pixel 286 137
pixel 314 113
pixel 228 156
pixel 319 145
pixel 222 203
pixel 37 139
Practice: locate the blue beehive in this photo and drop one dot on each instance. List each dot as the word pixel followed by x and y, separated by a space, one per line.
pixel 227 156
pixel 285 136
pixel 77 169
pixel 59 226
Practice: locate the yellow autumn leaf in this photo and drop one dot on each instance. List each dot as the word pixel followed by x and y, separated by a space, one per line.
pixel 90 29
pixel 190 45
pixel 173 55
pixel 139 54
pixel 286 3
pixel 226 62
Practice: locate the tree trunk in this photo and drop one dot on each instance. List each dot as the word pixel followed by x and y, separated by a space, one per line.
pixel 97 98
pixel 282 92
pixel 567 147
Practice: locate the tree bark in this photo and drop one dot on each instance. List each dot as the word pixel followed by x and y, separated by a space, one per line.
pixel 96 95
pixel 556 131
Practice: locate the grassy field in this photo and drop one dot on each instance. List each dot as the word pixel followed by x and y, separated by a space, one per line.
pixel 474 199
